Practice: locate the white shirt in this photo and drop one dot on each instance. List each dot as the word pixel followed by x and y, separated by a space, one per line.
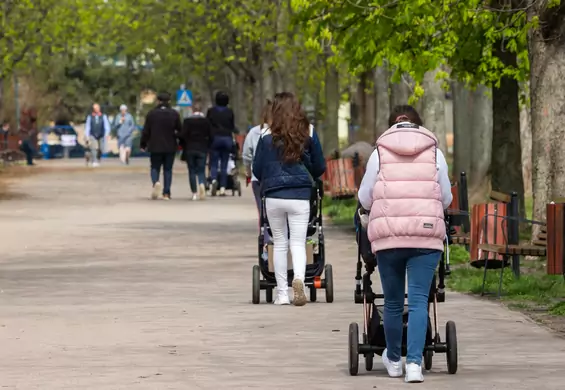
pixel 371 177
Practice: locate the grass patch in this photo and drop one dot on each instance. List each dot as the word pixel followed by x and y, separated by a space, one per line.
pixel 341 212
pixel 533 288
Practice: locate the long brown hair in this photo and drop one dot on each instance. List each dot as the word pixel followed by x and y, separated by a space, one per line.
pixel 267 114
pixel 404 113
pixel 290 127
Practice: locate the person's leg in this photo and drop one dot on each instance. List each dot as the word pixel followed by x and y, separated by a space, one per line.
pixel 200 168
pixel 26 148
pixel 93 143
pixel 392 270
pixel 121 152
pixel 298 213
pixel 169 161
pixel 156 162
pixel 421 265
pixel 214 158
pixel 276 213
pixel 191 161
pixel 225 150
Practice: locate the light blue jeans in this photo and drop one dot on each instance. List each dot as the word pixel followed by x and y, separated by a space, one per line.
pixel 420 265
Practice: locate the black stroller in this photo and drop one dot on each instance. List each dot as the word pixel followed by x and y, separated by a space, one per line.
pixel 313 279
pixel 373 330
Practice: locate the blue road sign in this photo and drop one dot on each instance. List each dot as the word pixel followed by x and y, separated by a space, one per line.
pixel 184 98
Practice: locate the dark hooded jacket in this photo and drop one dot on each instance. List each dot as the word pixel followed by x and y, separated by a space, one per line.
pixel 221 117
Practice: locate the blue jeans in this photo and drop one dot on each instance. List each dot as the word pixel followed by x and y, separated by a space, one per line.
pixel 394 264
pixel 165 160
pixel 221 148
pixel 196 162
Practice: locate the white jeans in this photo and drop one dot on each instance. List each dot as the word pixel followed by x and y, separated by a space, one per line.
pixel 296 212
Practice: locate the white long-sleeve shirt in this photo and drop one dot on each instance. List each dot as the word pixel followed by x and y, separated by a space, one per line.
pixel 371 177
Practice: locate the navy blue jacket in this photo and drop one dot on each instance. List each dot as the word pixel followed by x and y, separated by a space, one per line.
pixel 287 180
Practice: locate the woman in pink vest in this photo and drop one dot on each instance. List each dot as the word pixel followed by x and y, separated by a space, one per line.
pixel 406 187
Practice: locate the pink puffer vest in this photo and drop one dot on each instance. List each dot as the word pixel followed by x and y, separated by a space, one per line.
pixel 407 211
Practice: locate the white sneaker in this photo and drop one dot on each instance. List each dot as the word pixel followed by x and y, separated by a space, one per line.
pixel 282 299
pixel 156 191
pixel 202 191
pixel 394 368
pixel 194 197
pixel 95 164
pixel 413 373
pixel 222 191
pixel 299 295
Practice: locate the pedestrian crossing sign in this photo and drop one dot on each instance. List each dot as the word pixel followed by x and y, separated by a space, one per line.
pixel 184 98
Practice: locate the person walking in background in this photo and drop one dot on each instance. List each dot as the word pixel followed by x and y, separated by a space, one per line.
pixel 249 147
pixel 287 161
pixel 28 138
pixel 223 129
pixel 195 139
pixel 124 126
pixel 96 131
pixel 4 133
pixel 406 187
pixel 159 136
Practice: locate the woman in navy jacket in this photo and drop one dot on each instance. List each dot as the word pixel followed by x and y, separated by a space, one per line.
pixel 288 159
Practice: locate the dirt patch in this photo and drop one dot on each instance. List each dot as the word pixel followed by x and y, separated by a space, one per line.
pixel 8 175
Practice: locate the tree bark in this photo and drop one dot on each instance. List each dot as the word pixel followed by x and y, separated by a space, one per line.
pixel 506 162
pixel 472 128
pixel 433 109
pixel 400 92
pixel 526 143
pixel 240 108
pixel 366 106
pixel 382 100
pixel 330 142
pixel 547 94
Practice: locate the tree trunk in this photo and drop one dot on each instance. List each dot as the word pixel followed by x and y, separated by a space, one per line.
pixel 331 135
pixel 400 92
pixel 526 142
pixel 366 106
pixel 257 100
pixel 506 162
pixel 239 106
pixel 547 94
pixel 433 109
pixel 382 100
pixel 472 144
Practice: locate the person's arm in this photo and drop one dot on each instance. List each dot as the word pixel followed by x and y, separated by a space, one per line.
pixel 318 162
pixel 146 132
pixel 107 126
pixel 248 146
pixel 87 128
pixel 178 123
pixel 443 179
pixel 257 165
pixel 365 193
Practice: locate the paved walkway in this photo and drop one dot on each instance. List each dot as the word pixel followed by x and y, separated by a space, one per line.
pixel 104 289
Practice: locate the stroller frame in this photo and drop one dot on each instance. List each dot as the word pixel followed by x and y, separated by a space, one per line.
pixel 263 279
pixel 373 330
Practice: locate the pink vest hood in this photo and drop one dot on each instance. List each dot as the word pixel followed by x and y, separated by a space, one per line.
pixel 407 210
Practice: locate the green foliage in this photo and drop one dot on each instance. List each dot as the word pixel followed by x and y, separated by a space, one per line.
pixel 417 36
pixel 341 212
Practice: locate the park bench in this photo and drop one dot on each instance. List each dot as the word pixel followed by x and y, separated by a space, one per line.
pixel 339 178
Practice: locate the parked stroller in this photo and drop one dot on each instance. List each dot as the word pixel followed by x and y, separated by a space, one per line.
pixel 373 341
pixel 315 238
pixel 233 184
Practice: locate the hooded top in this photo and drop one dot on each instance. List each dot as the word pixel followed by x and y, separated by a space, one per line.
pixel 221 117
pixel 406 186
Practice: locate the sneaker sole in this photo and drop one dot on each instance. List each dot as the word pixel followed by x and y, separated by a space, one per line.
pixel 156 191
pixel 299 296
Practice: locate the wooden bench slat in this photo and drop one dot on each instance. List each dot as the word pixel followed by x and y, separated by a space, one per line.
pixel 500 196
pixel 539 243
pixel 542 236
pixel 461 240
pixel 523 250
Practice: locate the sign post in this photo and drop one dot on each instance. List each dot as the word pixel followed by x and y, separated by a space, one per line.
pixel 184 101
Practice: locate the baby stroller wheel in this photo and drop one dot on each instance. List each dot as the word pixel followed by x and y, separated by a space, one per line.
pixel 313 294
pixel 369 356
pixel 353 349
pixel 269 295
pixel 428 360
pixel 451 340
pixel 256 285
pixel 329 283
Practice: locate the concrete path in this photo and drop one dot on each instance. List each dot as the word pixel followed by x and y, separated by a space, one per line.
pixel 103 289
